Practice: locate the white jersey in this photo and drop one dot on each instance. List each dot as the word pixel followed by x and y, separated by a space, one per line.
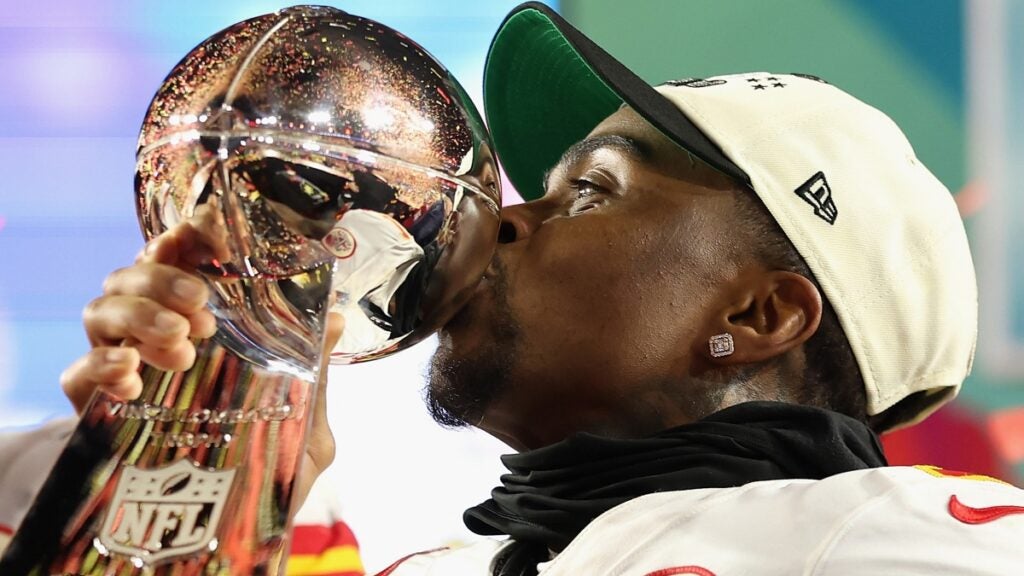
pixel 911 521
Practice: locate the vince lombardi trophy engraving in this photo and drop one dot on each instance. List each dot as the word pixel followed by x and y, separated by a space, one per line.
pixel 334 167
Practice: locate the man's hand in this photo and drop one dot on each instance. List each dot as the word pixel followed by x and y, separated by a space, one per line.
pixel 148 312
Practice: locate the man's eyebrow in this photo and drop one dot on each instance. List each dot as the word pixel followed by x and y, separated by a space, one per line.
pixel 584 148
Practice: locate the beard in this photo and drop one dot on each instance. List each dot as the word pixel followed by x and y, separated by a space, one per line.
pixel 460 388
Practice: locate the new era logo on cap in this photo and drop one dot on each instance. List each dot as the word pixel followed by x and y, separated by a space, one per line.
pixel 818 194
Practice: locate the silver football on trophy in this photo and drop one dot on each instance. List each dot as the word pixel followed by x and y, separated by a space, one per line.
pixel 333 162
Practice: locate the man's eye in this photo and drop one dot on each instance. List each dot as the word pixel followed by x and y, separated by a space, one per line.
pixel 584 188
pixel 587 196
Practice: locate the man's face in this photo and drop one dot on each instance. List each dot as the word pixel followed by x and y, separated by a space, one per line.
pixel 591 311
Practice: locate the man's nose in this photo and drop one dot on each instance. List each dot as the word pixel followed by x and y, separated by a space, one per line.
pixel 520 221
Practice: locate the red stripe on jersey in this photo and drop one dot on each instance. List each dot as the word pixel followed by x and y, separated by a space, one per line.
pixel 682 570
pixel 954 473
pixel 6 530
pixel 315 538
pixel 971 515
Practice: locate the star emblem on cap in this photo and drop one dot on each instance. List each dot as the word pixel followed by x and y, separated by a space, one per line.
pixel 765 83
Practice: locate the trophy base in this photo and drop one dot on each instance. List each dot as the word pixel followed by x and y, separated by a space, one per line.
pixel 195 477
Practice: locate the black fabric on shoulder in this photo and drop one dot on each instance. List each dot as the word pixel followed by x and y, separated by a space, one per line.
pixel 551 494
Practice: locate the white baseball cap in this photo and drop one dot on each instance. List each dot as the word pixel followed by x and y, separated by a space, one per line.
pixel 880 233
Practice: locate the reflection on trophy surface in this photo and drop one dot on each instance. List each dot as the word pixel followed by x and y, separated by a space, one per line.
pixel 330 164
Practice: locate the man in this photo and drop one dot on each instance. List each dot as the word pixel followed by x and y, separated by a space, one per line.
pixel 720 289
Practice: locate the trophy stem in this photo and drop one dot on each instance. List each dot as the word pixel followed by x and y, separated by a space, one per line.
pixel 144 487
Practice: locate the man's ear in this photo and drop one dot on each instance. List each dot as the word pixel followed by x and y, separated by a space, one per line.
pixel 767 315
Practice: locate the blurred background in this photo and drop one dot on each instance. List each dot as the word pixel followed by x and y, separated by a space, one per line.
pixel 77 75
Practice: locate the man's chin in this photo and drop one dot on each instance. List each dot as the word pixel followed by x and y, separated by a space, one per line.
pixel 475 356
pixel 467 374
pixel 445 401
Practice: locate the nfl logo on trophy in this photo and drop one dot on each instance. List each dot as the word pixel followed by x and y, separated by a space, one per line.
pixel 166 512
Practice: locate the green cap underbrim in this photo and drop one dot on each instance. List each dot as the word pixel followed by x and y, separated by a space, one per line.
pixel 540 97
pixel 546 86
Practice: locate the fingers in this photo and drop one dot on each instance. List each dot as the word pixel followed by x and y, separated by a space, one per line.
pixel 149 311
pixel 320 449
pixel 198 241
pixel 160 335
pixel 321 442
pixel 157 305
pixel 157 308
pixel 114 370
pixel 321 446
pixel 109 320
pixel 335 327
pixel 173 288
pixel 207 231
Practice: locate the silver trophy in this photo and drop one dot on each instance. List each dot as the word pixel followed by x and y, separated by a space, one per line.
pixel 332 166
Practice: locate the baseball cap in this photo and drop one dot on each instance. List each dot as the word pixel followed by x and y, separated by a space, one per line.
pixel 880 233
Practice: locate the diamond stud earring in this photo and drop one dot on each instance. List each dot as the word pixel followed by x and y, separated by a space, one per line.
pixel 721 345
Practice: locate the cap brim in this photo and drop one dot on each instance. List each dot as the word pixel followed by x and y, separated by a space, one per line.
pixel 546 86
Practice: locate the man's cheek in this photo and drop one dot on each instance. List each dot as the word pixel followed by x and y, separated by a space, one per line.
pixel 572 295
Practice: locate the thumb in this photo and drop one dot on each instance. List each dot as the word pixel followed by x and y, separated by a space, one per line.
pixel 335 328
pixel 321 446
pixel 162 249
